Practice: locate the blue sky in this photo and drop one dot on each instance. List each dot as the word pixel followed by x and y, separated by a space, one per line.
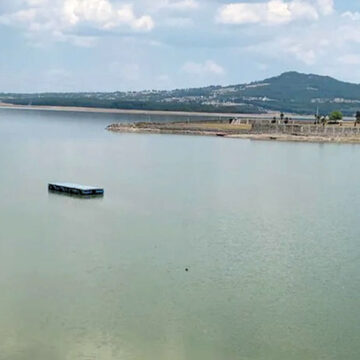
pixel 108 45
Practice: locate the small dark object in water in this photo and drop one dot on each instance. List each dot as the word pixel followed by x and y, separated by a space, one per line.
pixel 221 134
pixel 75 189
pixel 186 269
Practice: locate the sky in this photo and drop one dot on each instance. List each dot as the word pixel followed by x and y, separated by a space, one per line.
pixel 116 45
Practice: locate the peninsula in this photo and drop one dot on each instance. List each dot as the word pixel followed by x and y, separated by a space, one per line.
pixel 253 129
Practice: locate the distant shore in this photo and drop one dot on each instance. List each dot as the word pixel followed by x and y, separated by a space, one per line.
pixel 124 111
pixel 264 132
pixel 268 115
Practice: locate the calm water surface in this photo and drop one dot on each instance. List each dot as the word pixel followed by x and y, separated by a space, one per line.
pixel 270 233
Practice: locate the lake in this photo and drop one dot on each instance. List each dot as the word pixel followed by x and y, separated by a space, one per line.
pixel 269 233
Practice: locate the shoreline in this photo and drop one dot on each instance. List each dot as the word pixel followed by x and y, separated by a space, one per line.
pixel 126 111
pixel 81 109
pixel 227 131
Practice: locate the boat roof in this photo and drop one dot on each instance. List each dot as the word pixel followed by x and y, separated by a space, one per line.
pixel 77 186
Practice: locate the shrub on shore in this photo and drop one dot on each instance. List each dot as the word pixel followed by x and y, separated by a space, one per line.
pixel 336 115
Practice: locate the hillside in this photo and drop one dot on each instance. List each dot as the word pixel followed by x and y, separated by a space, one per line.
pixel 290 92
pixel 301 93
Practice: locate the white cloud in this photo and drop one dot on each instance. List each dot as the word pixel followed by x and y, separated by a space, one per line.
pixel 104 14
pixel 350 59
pixel 179 5
pixel 302 53
pixel 57 19
pixel 241 13
pixel 36 2
pixel 348 33
pixel 179 22
pixel 314 46
pixel 208 67
pixel 326 7
pixel 273 11
pixel 305 47
pixel 354 16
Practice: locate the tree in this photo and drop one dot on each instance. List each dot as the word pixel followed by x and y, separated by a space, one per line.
pixel 357 121
pixel 336 115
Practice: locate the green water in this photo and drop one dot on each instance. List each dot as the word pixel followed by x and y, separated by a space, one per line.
pixel 270 234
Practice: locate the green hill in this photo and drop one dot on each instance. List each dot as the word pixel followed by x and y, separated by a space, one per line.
pixel 302 93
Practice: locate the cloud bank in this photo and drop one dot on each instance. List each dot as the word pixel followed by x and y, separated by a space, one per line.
pixel 273 12
pixel 59 18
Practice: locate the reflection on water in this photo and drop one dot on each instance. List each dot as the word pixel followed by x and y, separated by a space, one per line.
pixel 268 231
pixel 76 196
